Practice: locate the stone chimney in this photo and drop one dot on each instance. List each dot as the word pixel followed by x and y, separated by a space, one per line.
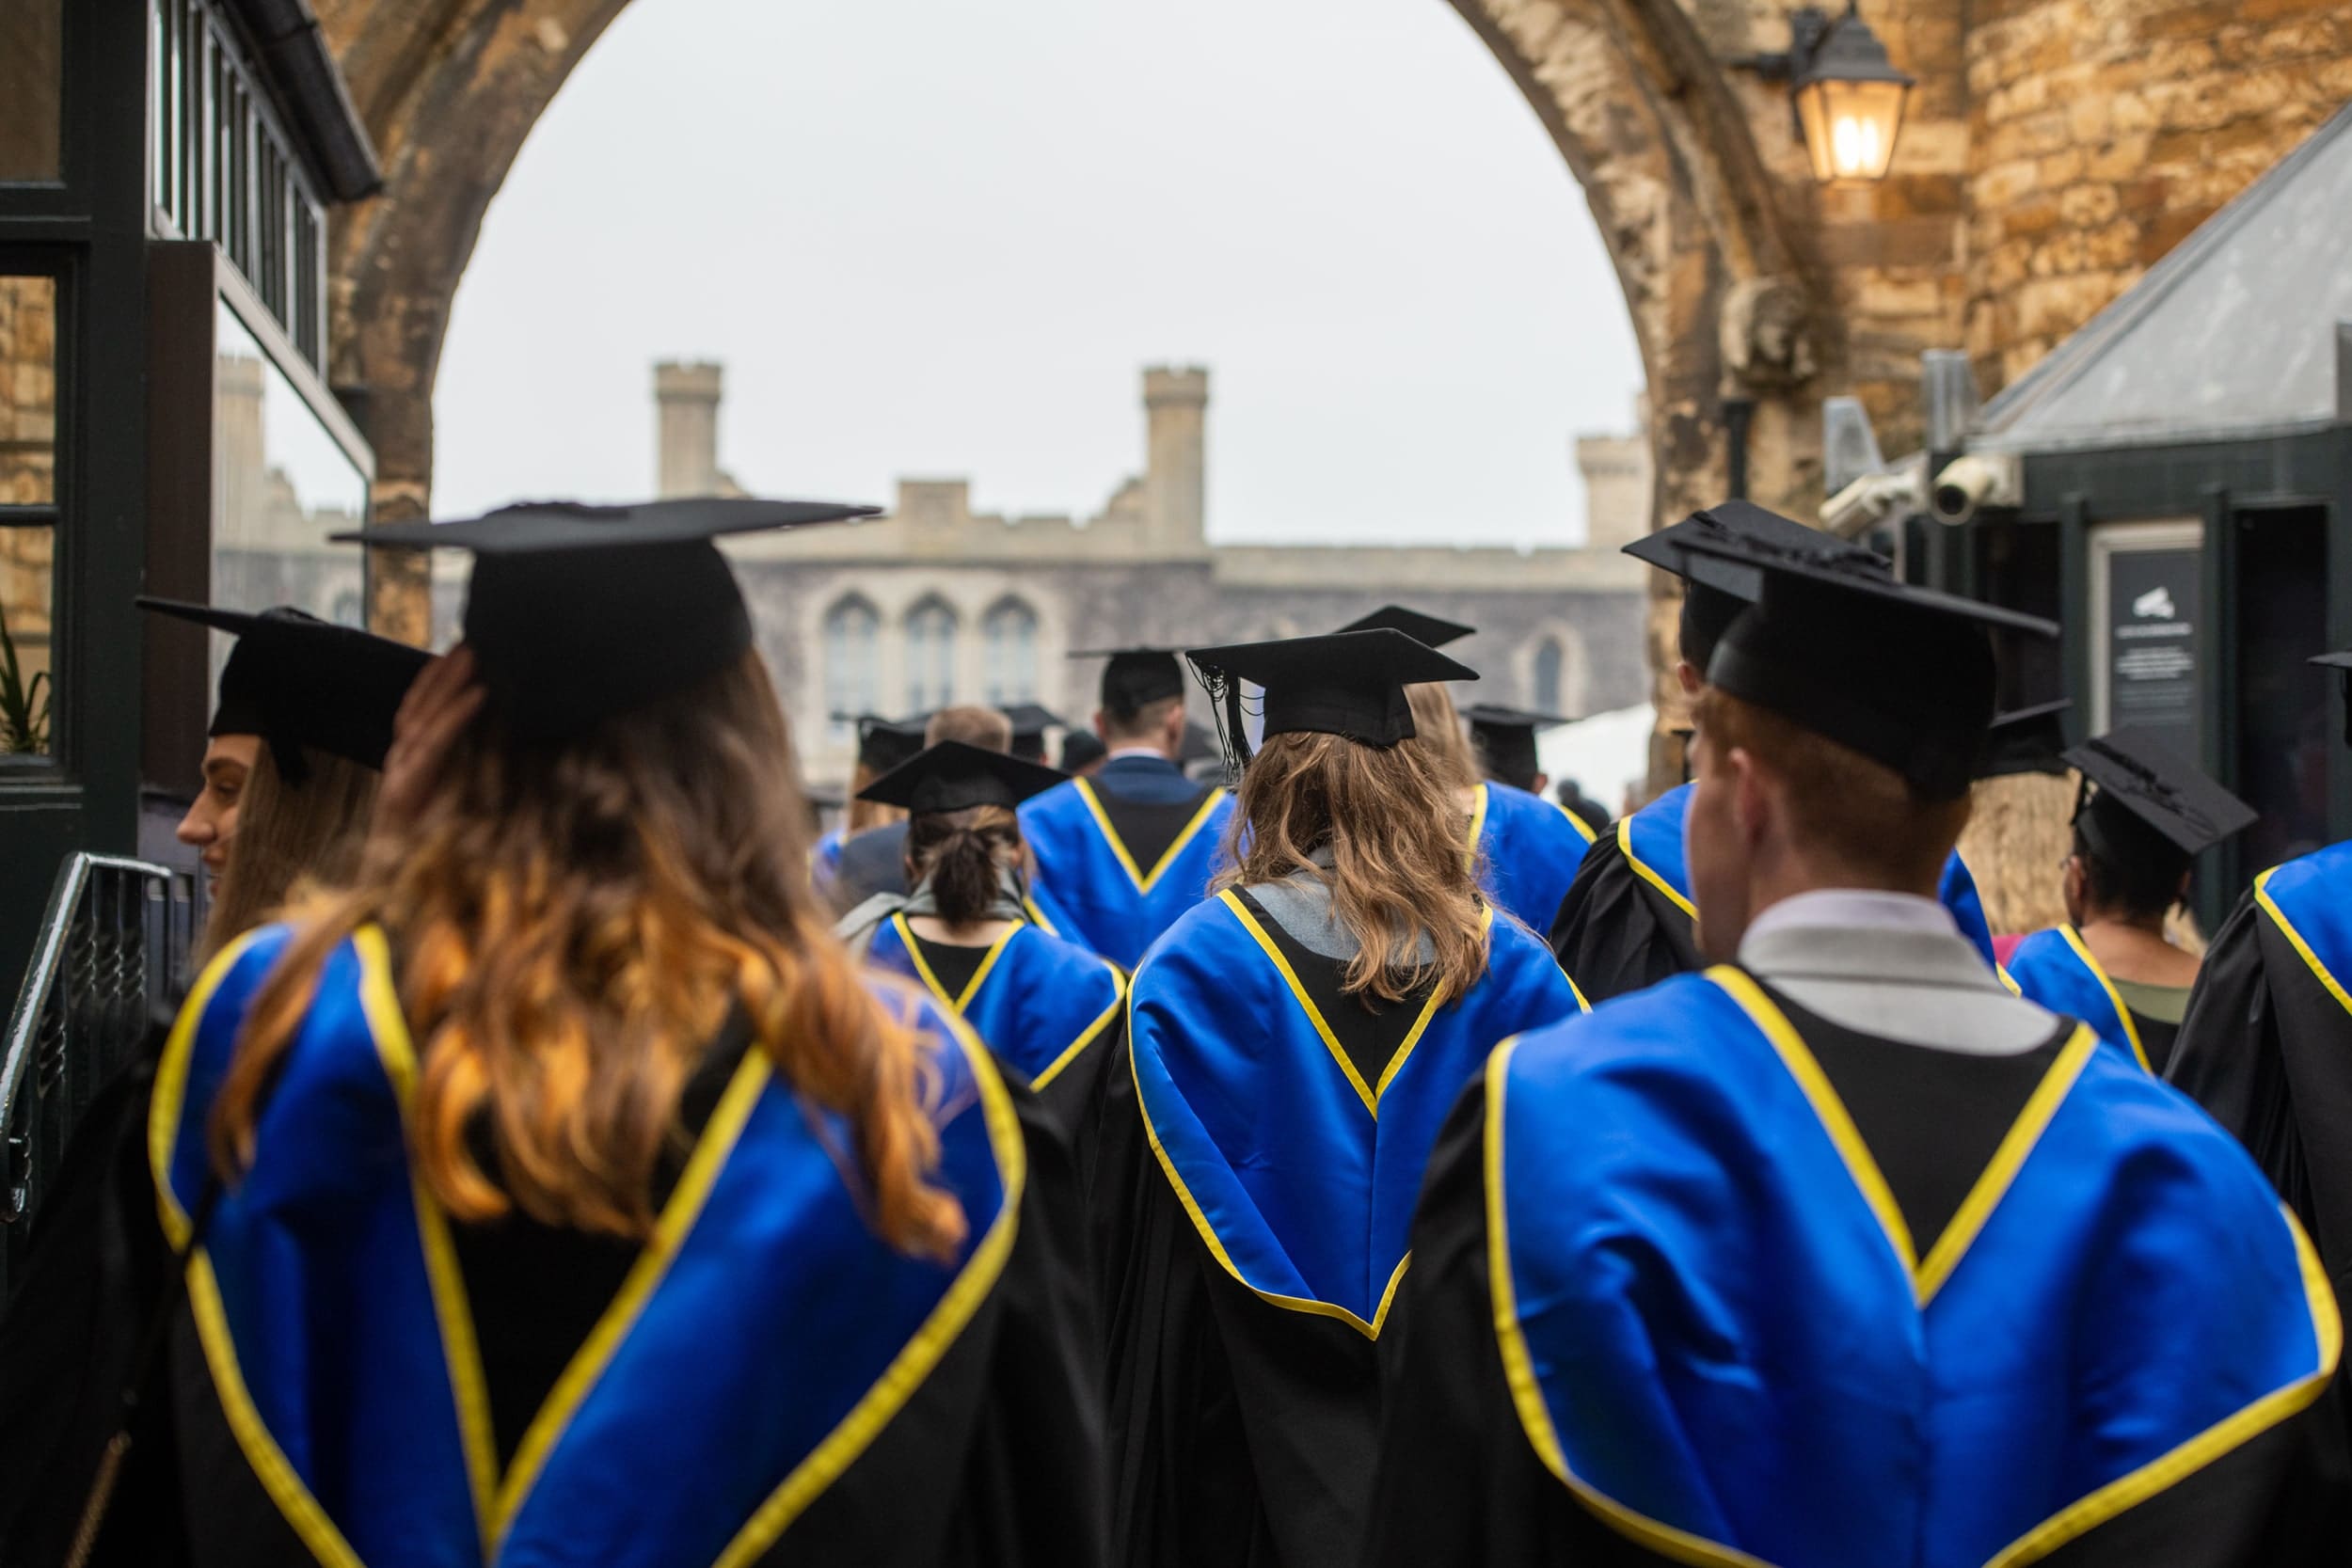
pixel 1618 483
pixel 687 397
pixel 1175 475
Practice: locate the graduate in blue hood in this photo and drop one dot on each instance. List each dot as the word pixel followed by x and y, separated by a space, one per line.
pixel 1625 922
pixel 1528 845
pixel 1838 1254
pixel 1524 847
pixel 2142 815
pixel 1051 1010
pixel 559 1191
pixel 1124 851
pixel 2266 1043
pixel 1296 1040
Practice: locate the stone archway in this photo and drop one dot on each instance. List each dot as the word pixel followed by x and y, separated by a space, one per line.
pixel 1742 282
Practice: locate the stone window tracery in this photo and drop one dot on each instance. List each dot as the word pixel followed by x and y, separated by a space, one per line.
pixel 930 656
pixel 1550 661
pixel 853 662
pixel 1010 632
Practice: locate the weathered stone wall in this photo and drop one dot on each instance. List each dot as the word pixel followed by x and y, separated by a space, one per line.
pixel 2102 131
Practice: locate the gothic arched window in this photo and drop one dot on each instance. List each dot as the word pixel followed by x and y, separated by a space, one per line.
pixel 930 656
pixel 1010 632
pixel 853 661
pixel 1551 660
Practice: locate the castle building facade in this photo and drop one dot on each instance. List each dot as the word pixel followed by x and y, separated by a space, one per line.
pixel 934 604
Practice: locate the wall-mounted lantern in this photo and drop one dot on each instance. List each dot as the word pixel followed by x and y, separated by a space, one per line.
pixel 1847 94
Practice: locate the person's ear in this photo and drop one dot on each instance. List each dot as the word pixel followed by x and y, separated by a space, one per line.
pixel 1543 783
pixel 1102 726
pixel 1687 675
pixel 1752 802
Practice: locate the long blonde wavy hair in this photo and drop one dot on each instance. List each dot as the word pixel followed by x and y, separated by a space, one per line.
pixel 1437 733
pixel 1398 872
pixel 572 923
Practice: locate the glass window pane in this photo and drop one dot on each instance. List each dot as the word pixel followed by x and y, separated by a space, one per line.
pixel 31 73
pixel 931 656
pixel 28 480
pixel 1550 657
pixel 282 485
pixel 1010 632
pixel 852 638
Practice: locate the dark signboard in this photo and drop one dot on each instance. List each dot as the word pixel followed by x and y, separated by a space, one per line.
pixel 2152 643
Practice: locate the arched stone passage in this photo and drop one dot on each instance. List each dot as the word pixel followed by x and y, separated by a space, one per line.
pixel 1741 280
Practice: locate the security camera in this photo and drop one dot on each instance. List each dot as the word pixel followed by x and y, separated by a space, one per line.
pixel 1977 480
pixel 1861 506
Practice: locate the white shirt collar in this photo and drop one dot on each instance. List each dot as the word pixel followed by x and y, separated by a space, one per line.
pixel 1853 908
pixel 1151 752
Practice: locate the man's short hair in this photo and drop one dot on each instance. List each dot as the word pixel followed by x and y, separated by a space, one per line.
pixel 1707 614
pixel 1858 815
pixel 984 727
pixel 1143 723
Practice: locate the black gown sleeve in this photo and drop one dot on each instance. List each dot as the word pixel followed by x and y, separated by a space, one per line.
pixel 1180 1490
pixel 1614 933
pixel 1457 1480
pixel 2278 1501
pixel 996 1460
pixel 1077 1101
pixel 2228 1056
pixel 93 1276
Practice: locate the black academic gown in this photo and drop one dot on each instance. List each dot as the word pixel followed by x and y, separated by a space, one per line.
pixel 2268 1051
pixel 96 1269
pixel 995 1459
pixel 1244 1432
pixel 1459 1482
pixel 1618 931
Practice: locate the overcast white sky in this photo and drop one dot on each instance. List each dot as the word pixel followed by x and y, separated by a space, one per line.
pixel 931 237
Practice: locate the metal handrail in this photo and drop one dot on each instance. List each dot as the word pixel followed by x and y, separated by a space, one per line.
pixel 113 949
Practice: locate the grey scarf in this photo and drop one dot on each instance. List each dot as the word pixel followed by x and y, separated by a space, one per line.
pixel 1300 903
pixel 857 928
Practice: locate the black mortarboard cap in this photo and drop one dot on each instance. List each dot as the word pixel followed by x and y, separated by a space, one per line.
pixel 1136 679
pixel 1430 632
pixel 1031 721
pixel 2029 741
pixel 1505 738
pixel 956 776
pixel 2340 662
pixel 1665 548
pixel 882 744
pixel 295 680
pixel 578 613
pixel 1903 675
pixel 1082 749
pixel 2134 782
pixel 1709 607
pixel 1348 683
